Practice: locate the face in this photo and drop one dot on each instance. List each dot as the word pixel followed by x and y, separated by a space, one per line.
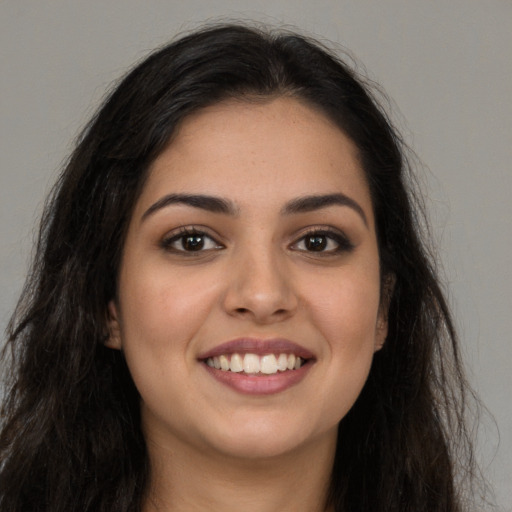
pixel 248 304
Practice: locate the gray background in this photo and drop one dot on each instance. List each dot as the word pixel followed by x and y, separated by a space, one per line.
pixel 446 64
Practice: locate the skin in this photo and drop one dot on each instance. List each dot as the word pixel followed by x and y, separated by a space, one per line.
pixel 212 447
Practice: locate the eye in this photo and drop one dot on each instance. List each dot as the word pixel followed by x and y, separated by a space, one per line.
pixel 325 242
pixel 190 240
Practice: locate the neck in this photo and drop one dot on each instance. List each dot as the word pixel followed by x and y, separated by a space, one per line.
pixel 184 480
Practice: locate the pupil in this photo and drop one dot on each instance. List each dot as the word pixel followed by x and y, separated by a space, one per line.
pixel 316 243
pixel 193 243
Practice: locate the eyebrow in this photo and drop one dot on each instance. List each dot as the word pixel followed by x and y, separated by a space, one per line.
pixel 311 203
pixel 203 202
pixel 224 206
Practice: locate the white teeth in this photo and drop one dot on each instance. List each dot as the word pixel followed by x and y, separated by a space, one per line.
pixel 282 362
pixel 236 364
pixel 252 363
pixel 224 363
pixel 269 364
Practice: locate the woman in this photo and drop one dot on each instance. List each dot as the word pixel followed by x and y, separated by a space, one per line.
pixel 231 305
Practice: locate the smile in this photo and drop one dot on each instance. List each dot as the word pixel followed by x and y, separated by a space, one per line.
pixel 267 364
pixel 258 367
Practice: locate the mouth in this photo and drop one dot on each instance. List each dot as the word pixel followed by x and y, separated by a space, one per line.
pixel 260 367
pixel 254 364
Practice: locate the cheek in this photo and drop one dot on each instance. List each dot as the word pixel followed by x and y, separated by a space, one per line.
pixel 345 313
pixel 161 314
pixel 159 300
pixel 345 308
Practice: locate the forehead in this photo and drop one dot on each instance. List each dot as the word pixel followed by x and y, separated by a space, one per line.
pixel 262 152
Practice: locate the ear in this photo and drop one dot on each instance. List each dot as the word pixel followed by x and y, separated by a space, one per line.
pixel 114 328
pixel 381 331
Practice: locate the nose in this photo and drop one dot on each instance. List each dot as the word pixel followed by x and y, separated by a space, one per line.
pixel 260 288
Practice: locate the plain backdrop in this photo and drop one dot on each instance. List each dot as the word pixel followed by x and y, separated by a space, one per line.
pixel 446 65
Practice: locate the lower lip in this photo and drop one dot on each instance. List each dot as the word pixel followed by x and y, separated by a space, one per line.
pixel 260 384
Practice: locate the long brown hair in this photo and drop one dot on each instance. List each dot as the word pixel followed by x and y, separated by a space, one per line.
pixel 71 438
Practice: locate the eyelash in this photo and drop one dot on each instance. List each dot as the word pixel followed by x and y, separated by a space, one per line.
pixel 184 233
pixel 340 239
pixel 343 244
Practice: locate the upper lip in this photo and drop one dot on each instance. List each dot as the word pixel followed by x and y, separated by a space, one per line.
pixel 259 347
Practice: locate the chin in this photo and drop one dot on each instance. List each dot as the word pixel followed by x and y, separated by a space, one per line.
pixel 261 450
pixel 260 440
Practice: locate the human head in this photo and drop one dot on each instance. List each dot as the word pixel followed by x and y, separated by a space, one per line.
pixel 108 169
pixel 87 219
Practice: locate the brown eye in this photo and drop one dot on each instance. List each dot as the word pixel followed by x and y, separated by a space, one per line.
pixel 315 242
pixel 323 242
pixel 190 241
